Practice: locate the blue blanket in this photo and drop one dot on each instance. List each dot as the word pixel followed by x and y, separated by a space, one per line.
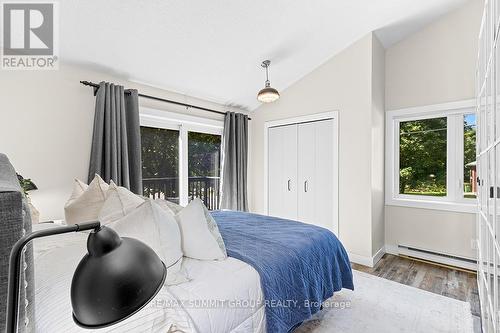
pixel 300 265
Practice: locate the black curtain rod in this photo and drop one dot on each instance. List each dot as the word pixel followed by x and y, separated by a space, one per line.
pixel 96 86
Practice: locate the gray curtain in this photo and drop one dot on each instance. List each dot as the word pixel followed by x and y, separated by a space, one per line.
pixel 234 163
pixel 116 141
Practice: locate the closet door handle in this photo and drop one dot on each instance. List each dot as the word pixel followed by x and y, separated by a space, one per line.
pixel 305 186
pixel 288 185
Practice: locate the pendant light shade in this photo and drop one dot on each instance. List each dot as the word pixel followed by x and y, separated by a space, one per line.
pixel 114 280
pixel 267 94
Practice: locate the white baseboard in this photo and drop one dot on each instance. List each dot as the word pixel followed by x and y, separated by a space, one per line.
pixel 361 260
pixel 380 253
pixel 365 260
pixel 394 249
pixel 391 249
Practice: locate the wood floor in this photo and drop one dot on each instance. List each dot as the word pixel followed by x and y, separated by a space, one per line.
pixel 440 280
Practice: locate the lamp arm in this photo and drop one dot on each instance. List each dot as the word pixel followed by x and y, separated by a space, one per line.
pixel 15 266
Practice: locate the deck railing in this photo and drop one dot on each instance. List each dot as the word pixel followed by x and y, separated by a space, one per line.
pixel 205 188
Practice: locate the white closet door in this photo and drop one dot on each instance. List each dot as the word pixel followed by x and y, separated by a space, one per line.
pixel 275 165
pixel 323 203
pixel 306 171
pixel 315 170
pixel 282 172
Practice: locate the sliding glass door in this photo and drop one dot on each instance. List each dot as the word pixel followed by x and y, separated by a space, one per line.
pixel 160 163
pixel 181 157
pixel 204 168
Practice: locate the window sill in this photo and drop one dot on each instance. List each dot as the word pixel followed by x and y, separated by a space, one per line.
pixel 459 207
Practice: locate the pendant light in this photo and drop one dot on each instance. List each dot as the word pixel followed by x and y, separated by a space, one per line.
pixel 268 94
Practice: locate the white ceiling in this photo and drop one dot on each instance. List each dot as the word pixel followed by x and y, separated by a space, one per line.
pixel 213 49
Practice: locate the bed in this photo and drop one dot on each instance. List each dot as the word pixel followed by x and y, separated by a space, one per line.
pixel 195 306
pixel 277 274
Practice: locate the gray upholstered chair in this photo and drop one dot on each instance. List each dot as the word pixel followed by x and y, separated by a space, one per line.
pixel 15 220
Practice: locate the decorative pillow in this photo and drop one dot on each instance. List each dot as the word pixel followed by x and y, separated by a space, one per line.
pixel 119 202
pixel 214 229
pixel 158 229
pixel 169 205
pixel 78 188
pixel 200 235
pixel 85 203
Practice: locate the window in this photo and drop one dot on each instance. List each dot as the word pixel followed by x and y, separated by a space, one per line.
pixel 422 157
pixel 160 163
pixel 181 157
pixel 470 185
pixel 431 157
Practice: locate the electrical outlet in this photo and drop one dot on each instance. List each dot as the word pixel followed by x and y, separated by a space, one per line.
pixel 473 244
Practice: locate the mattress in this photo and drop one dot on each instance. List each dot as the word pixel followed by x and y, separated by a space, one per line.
pixel 222 296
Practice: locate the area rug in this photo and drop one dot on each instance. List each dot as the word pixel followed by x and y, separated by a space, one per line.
pixel 380 305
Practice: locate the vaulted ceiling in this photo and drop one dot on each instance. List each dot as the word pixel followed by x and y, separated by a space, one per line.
pixel 213 49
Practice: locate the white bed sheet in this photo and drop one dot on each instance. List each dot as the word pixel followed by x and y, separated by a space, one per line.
pixel 223 296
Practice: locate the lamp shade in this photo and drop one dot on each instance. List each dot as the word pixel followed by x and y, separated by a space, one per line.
pixel 114 280
pixel 268 95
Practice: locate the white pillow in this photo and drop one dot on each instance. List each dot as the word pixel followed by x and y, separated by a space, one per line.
pixel 44 245
pixel 169 205
pixel 158 229
pixel 119 202
pixel 85 203
pixel 78 188
pixel 199 232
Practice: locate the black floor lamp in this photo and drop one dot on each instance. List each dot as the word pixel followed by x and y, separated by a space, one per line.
pixel 114 280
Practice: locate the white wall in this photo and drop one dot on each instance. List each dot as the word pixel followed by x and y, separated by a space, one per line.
pixel 343 83
pixel 434 65
pixel 378 147
pixel 46 120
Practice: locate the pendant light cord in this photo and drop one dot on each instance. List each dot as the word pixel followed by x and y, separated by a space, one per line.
pixel 268 83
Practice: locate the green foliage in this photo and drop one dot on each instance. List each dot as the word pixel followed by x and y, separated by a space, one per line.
pixel 160 152
pixel 469 148
pixel 26 184
pixel 422 157
pixel 204 154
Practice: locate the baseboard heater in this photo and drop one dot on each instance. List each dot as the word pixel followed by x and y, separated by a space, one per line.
pixel 440 258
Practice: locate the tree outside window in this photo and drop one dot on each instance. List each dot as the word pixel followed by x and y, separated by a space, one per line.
pixel 422 157
pixel 160 163
pixel 470 187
